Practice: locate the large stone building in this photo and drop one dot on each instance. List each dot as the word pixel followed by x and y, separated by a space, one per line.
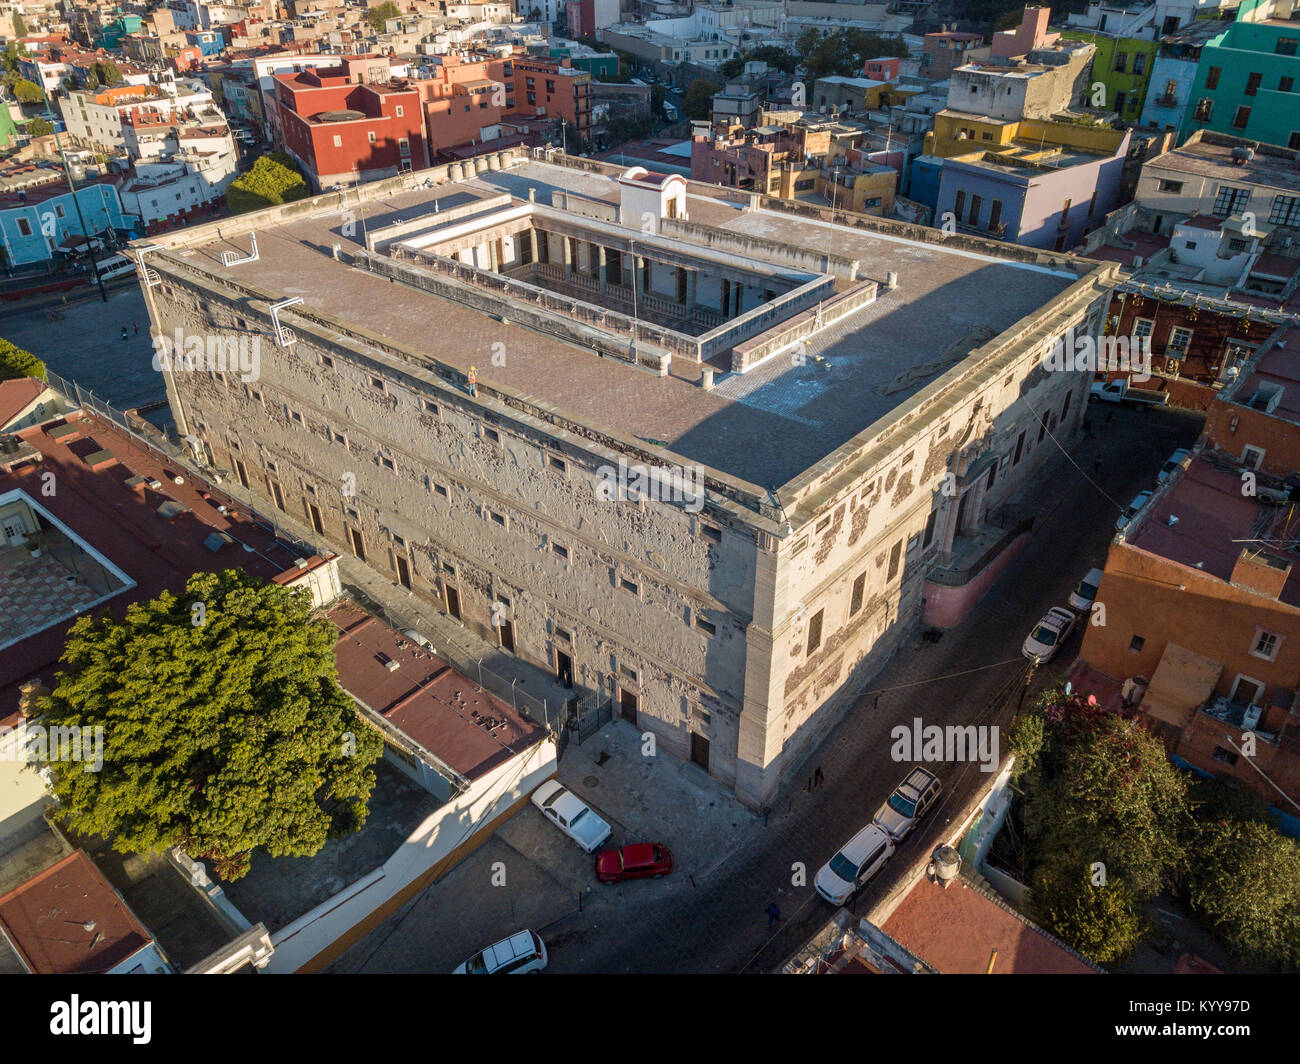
pixel 461 371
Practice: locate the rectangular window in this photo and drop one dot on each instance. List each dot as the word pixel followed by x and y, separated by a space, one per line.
pixel 815 632
pixel 1140 64
pixel 491 435
pixel 710 533
pixel 707 627
pixel 1020 449
pixel 1179 341
pixel 1142 328
pixel 630 586
pixel 497 519
pixel 24 227
pixel 855 596
pixel 959 203
pixel 1286 45
pixel 1229 200
pixel 1285 84
pixel 430 407
pixel 1212 77
pixel 558 464
pixel 377 383
pixel 388 464
pixel 1252 456
pixel 371 136
pixel 1265 644
pixel 338 141
pixel 929 528
pixel 560 551
pixel 1252 83
pixel 400 112
pixel 976 203
pixel 441 489
pixel 1136 644
pixel 1242 118
pixel 1169 186
pixel 1285 211
pixel 894 555
pixel 1225 755
pixel 1204 108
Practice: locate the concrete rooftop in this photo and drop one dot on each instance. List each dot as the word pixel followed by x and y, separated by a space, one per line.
pixel 754 428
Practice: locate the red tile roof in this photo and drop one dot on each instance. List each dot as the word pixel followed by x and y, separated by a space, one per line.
pixel 958 930
pixel 123 524
pixel 449 715
pixel 17 395
pixel 68 920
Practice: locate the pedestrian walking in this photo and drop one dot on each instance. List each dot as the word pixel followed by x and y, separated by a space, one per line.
pixel 773 914
pixel 471 381
pixel 124 336
pixel 818 778
pixel 136 328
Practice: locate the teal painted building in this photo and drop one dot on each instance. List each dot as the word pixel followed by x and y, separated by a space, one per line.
pixel 1248 79
pixel 598 64
pixel 113 33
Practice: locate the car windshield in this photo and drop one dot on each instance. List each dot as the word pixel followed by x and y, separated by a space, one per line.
pixel 575 821
pixel 899 804
pixel 1046 636
pixel 1087 590
pixel 554 798
pixel 659 855
pixel 844 868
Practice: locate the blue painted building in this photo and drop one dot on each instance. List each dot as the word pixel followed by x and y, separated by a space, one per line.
pixel 927 172
pixel 33 233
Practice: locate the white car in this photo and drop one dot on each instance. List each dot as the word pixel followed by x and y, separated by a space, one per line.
pixel 1045 640
pixel 571 815
pixel 857 861
pixel 1085 592
pixel 1172 466
pixel 1140 501
pixel 911 800
pixel 519 954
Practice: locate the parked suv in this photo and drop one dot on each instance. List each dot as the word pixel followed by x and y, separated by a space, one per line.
pixel 857 861
pixel 519 954
pixel 911 800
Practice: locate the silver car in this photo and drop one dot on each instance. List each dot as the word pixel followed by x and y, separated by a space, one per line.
pixel 911 800
pixel 1045 640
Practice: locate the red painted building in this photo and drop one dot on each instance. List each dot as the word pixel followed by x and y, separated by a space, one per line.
pixel 351 122
pixel 553 88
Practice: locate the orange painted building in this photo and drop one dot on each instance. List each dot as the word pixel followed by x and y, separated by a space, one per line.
pixel 467 96
pixel 1201 592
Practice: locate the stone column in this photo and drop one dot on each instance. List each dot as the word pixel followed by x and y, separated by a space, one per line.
pixel 600 265
pixel 532 244
pixel 568 255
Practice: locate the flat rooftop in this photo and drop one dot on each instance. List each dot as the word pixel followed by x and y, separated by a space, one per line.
pixel 765 427
pixel 67 920
pixel 449 715
pixel 1205 158
pixel 1214 521
pixel 958 931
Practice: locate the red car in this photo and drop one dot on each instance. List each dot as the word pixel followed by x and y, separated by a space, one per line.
pixel 642 860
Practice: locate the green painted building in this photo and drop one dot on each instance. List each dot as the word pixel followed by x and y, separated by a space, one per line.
pixel 1122 68
pixel 598 64
pixel 1248 79
pixel 8 130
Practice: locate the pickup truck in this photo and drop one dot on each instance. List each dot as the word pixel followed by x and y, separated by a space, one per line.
pixel 1119 391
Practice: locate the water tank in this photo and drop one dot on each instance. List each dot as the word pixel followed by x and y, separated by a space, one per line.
pixel 1135 687
pixel 945 865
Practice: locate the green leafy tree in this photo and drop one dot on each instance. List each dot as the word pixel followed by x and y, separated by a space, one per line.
pixel 733 67
pixel 271 180
pixel 39 127
pixel 377 16
pixel 1111 797
pixel 224 727
pixel 698 100
pixel 108 73
pixel 658 96
pixel 1244 878
pixel 20 27
pixel 1099 919
pixel 15 363
pixel 27 91
pixel 1026 738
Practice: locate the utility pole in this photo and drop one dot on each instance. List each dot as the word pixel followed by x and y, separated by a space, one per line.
pixel 81 218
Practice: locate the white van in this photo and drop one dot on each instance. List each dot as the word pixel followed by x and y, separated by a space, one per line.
pixel 858 860
pixel 114 266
